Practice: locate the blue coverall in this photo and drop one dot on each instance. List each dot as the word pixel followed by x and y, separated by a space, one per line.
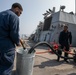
pixel 9 37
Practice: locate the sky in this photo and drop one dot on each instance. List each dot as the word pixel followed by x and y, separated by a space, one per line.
pixel 33 10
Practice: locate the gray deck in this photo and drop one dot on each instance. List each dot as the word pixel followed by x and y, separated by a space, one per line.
pixel 46 64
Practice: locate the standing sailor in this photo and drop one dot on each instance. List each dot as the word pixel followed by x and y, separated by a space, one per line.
pixel 65 41
pixel 9 37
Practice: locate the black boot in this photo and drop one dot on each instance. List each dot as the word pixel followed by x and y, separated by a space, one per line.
pixel 58 58
pixel 66 60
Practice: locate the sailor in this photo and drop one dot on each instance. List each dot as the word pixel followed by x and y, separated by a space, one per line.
pixel 65 41
pixel 9 37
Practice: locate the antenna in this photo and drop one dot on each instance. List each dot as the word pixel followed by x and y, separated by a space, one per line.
pixel 62 8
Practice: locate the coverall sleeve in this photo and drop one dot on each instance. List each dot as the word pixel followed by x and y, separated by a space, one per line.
pixel 70 37
pixel 14 29
pixel 60 38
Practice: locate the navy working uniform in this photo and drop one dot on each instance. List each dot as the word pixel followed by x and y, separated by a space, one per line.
pixel 65 39
pixel 9 36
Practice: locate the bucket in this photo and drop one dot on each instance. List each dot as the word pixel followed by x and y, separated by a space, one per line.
pixel 24 62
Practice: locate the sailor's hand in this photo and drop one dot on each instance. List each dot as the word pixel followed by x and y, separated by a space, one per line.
pixel 20 43
pixel 70 45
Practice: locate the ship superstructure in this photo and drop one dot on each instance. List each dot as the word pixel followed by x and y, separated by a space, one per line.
pixel 53 24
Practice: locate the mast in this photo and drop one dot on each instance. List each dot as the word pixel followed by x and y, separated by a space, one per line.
pixel 75 7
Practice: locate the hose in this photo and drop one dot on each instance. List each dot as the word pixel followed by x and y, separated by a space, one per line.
pixel 32 49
